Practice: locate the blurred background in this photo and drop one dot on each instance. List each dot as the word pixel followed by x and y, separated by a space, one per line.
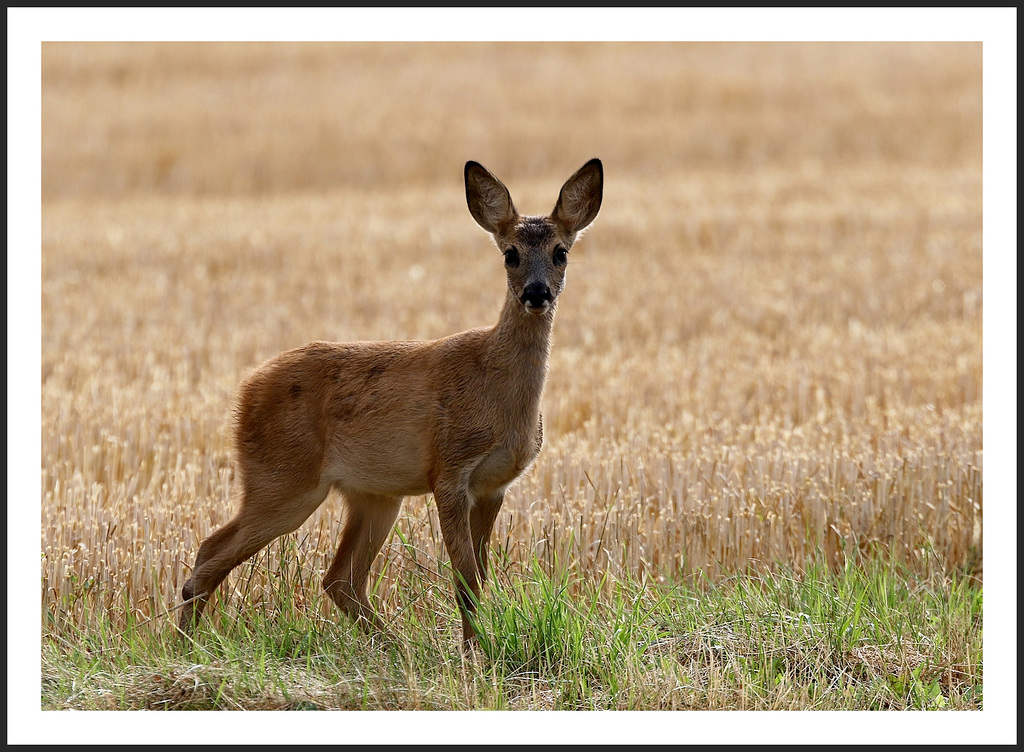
pixel 238 118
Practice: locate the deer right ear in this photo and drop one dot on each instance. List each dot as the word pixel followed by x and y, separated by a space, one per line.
pixel 488 198
pixel 580 198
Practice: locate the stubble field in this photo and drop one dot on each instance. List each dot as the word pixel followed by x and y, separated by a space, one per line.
pixel 768 357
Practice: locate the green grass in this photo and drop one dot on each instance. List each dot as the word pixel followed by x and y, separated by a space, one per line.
pixel 869 638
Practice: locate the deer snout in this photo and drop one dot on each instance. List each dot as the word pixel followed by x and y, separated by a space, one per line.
pixel 536 297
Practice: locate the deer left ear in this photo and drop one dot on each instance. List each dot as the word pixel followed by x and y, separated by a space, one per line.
pixel 580 198
pixel 488 199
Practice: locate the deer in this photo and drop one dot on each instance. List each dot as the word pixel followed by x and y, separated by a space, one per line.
pixel 458 418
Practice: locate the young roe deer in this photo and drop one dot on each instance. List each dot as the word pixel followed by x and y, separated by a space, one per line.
pixel 458 417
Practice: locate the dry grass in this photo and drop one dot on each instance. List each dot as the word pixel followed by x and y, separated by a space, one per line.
pixel 769 350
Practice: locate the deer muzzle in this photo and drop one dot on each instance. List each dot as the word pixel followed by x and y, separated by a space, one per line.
pixel 537 298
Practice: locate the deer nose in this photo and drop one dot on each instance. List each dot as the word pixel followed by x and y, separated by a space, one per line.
pixel 536 295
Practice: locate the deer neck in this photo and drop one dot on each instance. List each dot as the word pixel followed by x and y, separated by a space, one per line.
pixel 520 346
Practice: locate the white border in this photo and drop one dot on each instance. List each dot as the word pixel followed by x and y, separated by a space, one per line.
pixel 995 27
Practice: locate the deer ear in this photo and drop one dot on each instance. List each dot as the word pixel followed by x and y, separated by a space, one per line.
pixel 488 198
pixel 580 198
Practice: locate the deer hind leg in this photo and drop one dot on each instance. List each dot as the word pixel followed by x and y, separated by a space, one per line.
pixel 263 516
pixel 369 520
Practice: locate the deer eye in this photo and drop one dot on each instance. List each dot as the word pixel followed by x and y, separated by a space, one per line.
pixel 512 257
pixel 560 256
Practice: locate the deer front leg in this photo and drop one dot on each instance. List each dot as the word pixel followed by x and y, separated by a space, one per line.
pixel 453 512
pixel 481 521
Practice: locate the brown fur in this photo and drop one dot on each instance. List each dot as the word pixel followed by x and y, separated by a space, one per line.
pixel 457 417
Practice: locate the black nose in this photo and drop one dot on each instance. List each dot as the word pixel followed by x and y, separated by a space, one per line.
pixel 536 294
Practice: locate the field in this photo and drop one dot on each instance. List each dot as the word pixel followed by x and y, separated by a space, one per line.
pixel 766 377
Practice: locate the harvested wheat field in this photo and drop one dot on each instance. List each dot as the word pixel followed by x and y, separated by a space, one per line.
pixel 768 354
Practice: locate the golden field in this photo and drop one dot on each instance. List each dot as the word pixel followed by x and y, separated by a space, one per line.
pixel 769 350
